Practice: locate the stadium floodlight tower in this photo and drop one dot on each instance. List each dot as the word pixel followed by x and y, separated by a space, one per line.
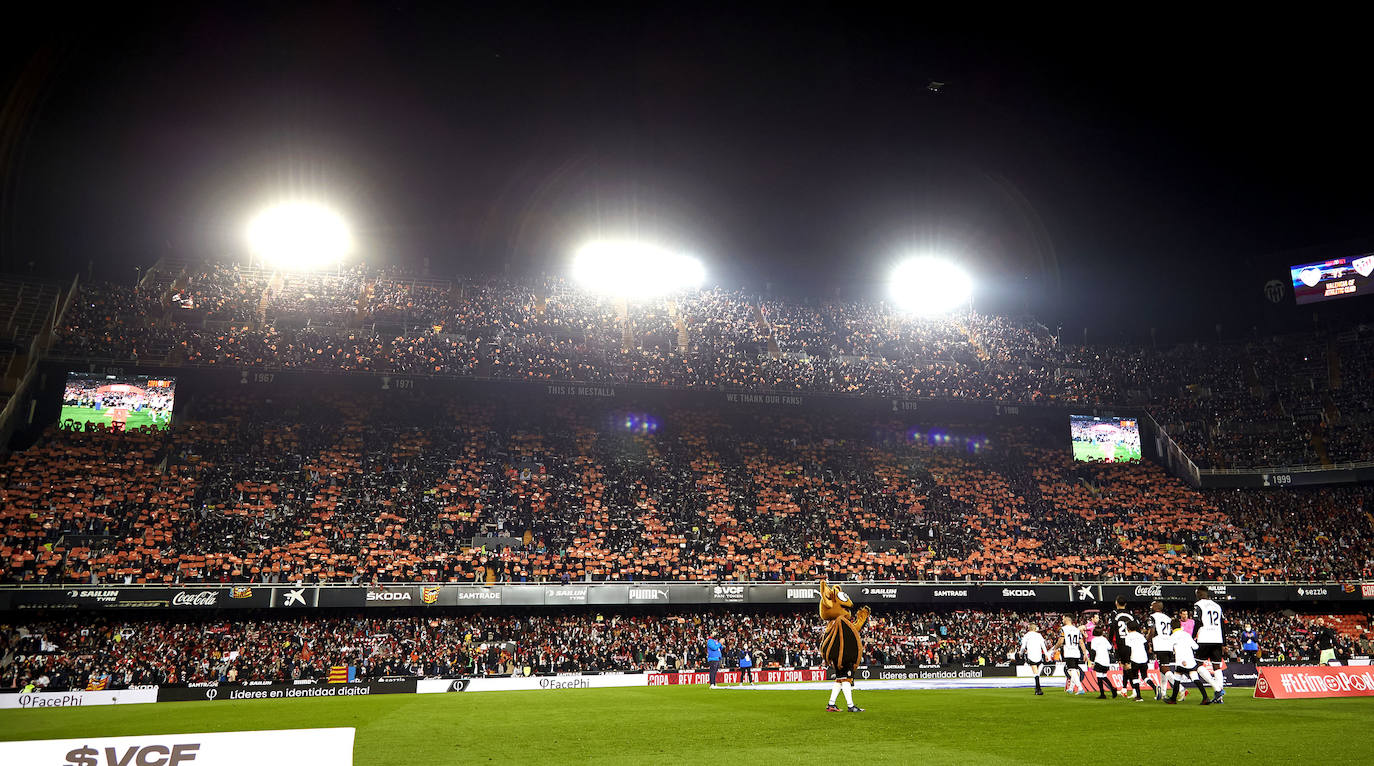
pixel 929 286
pixel 630 270
pixel 299 236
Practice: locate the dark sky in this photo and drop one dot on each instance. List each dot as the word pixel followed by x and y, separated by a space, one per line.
pixel 1154 169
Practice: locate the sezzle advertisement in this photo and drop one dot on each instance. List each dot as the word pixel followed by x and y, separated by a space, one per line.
pixel 282 747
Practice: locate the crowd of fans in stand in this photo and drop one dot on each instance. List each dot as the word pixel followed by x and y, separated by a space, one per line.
pixel 63 653
pixel 316 486
pixel 1270 402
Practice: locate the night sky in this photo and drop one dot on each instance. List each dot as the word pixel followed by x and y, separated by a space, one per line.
pixel 1120 173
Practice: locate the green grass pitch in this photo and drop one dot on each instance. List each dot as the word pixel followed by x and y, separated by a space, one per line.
pixel 84 415
pixel 693 724
pixel 1093 451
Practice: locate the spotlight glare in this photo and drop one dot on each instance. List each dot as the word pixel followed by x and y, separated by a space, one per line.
pixel 299 236
pixel 927 285
pixel 635 269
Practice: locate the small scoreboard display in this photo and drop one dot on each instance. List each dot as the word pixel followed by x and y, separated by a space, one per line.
pixel 119 402
pixel 1336 278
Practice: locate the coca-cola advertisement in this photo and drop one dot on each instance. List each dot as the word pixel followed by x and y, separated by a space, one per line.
pixel 201 598
pixel 136 597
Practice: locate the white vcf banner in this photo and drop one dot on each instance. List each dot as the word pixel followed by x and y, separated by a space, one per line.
pixel 280 747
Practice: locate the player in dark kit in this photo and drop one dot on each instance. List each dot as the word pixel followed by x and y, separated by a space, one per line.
pixel 1122 623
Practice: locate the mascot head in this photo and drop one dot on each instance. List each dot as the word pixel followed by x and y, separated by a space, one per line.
pixel 834 603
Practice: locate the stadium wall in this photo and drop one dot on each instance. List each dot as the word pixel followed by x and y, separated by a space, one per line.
pixel 307 597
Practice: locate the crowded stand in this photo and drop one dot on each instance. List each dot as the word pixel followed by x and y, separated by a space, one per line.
pixel 344 487
pixel 1282 401
pixel 60 653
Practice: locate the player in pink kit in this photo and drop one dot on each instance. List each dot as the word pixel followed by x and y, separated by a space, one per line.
pixel 1185 617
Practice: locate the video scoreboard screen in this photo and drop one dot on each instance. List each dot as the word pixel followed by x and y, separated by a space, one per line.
pixel 122 402
pixel 1336 278
pixel 1113 440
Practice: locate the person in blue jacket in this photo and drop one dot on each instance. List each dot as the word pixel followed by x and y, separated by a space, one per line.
pixel 713 658
pixel 746 667
pixel 1250 644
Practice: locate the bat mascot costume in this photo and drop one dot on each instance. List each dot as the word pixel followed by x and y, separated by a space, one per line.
pixel 841 646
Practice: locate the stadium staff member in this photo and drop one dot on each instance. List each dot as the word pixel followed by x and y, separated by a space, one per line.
pixel 1249 643
pixel 1326 642
pixel 713 658
pixel 746 667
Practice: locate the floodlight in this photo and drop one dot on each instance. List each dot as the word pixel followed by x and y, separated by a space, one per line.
pixel 629 269
pixel 928 285
pixel 299 236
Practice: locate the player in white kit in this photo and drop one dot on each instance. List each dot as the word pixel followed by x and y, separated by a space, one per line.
pixel 1207 625
pixel 1035 651
pixel 1185 664
pixel 1070 647
pixel 1138 671
pixel 1162 646
pixel 1102 664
